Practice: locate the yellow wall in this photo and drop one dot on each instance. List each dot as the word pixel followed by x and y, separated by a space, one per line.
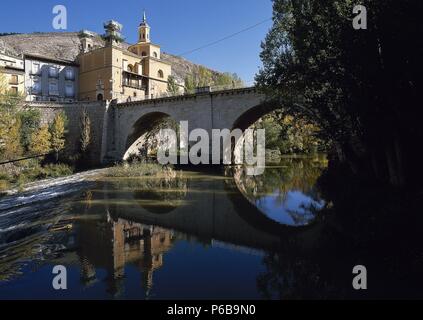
pixel 10 83
pixel 106 64
pixel 109 65
pixel 148 48
pixel 95 73
pixel 159 84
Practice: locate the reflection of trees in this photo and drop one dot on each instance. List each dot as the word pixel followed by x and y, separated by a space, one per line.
pixel 292 174
pixel 165 191
pixel 362 225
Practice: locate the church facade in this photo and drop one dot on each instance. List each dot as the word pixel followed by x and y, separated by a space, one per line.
pixel 115 71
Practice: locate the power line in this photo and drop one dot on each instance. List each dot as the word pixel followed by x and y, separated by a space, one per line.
pixel 224 38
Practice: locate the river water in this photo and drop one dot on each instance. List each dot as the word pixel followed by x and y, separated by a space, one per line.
pixel 198 234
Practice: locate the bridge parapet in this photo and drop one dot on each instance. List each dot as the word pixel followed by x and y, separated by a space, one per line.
pixel 211 91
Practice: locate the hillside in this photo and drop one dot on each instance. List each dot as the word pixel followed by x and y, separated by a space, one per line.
pixel 65 46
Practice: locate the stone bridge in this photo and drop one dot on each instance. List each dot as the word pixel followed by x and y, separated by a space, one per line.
pixel 119 128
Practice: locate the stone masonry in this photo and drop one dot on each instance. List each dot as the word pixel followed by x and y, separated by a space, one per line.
pixel 115 128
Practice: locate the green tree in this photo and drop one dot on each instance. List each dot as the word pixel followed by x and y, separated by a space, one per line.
pixel 190 83
pixel 40 141
pixel 172 86
pixel 57 131
pixel 228 80
pixel 10 123
pixel 11 148
pixel 30 119
pixel 204 77
pixel 358 86
pixel 85 133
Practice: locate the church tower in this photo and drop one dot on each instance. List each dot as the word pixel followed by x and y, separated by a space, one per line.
pixel 144 31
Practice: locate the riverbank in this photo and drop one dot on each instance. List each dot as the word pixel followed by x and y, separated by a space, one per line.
pixel 17 176
pixel 40 185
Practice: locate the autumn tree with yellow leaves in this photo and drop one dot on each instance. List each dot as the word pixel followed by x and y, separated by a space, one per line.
pixel 57 131
pixel 41 141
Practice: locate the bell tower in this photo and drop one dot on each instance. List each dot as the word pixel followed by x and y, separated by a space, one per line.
pixel 144 30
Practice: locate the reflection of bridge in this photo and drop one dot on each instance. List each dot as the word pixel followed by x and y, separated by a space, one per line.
pixel 142 223
pixel 212 209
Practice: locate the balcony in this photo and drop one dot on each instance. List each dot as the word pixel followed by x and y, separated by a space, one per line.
pixel 133 80
pixel 133 84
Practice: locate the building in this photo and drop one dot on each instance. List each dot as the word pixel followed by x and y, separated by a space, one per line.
pixel 154 69
pixel 13 69
pixel 50 79
pixel 113 71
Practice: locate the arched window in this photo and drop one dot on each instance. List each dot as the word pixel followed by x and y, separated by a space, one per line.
pixel 130 68
pixel 155 55
pixel 160 74
pixel 99 97
pixel 144 54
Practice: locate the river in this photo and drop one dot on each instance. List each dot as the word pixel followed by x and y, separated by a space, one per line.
pixel 212 234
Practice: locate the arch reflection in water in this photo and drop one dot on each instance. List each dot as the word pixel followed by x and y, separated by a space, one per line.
pixel 286 191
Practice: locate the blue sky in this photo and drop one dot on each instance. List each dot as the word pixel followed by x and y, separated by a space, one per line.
pixel 178 26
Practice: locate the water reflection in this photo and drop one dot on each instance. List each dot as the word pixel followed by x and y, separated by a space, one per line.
pixel 194 235
pixel 112 243
pixel 286 191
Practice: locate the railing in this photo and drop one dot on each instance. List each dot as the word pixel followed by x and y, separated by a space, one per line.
pixel 129 83
pixel 198 90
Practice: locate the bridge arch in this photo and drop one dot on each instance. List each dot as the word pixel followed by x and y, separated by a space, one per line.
pixel 252 114
pixel 141 128
pixel 225 109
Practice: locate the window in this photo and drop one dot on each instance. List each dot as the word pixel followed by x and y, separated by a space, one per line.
pixel 99 97
pixel 53 72
pixel 13 79
pixel 160 74
pixel 155 55
pixel 53 88
pixel 135 94
pixel 14 90
pixel 100 85
pixel 130 68
pixel 69 90
pixel 69 74
pixel 36 68
pixel 36 86
pixel 144 54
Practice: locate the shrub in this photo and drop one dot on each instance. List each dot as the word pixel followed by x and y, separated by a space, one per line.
pixel 4 185
pixel 56 170
pixel 136 169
